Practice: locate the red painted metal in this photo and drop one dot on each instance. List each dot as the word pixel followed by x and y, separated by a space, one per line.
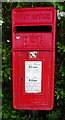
pixel 27 38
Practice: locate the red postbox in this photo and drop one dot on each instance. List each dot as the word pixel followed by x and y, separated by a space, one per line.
pixel 33 52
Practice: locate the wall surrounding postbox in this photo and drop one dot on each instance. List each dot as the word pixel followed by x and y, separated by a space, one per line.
pixel 33 56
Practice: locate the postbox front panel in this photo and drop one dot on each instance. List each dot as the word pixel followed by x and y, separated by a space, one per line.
pixel 33 79
pixel 33 53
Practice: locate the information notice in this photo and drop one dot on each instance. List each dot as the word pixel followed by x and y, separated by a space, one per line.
pixel 33 76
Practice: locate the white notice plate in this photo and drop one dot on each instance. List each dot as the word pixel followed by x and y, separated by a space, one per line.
pixel 33 76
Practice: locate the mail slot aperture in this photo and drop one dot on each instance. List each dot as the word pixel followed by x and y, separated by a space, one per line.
pixel 33 28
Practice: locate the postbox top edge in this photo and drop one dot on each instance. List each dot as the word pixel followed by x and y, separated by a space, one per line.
pixel 33 8
pixel 33 15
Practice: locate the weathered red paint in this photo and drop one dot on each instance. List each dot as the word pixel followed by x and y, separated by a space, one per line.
pixel 24 41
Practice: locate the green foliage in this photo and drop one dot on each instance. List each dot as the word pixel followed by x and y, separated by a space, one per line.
pixel 6 60
pixel 54 115
pixel 9 113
